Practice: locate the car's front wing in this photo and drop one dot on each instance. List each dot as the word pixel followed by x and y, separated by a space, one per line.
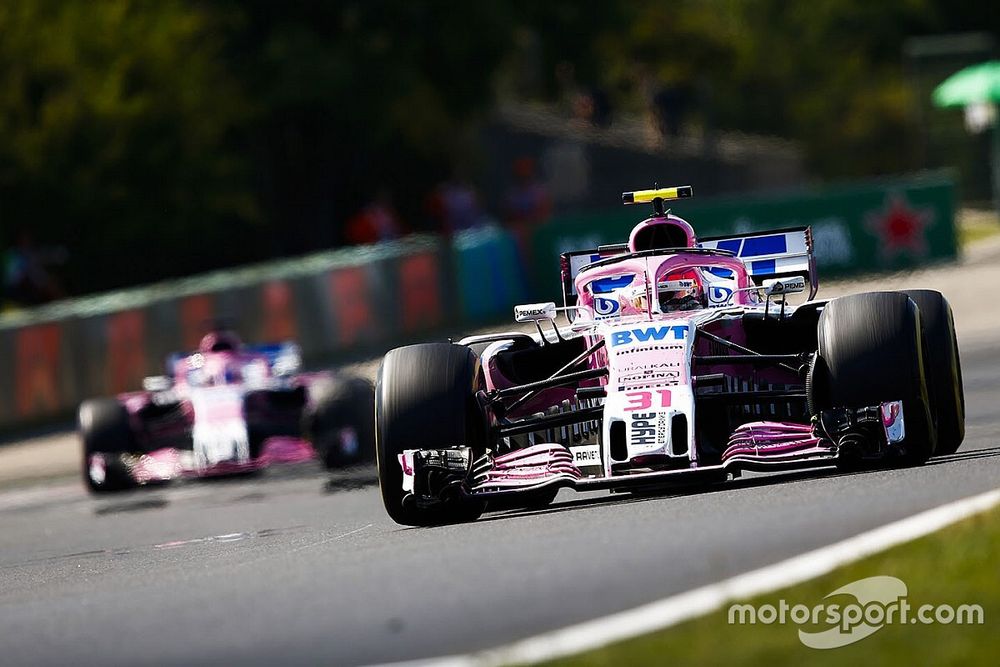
pixel 753 446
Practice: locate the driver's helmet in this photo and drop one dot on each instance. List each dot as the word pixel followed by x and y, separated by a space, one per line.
pixel 220 341
pixel 681 290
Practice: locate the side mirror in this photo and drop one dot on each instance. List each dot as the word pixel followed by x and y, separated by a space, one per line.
pixel 157 383
pixel 535 312
pixel 789 285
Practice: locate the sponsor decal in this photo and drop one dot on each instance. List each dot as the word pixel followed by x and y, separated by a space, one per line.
pixel 533 312
pixel 607 285
pixel 643 428
pixel 788 285
pixel 649 334
pixel 892 421
pixel 676 284
pixel 651 375
pixel 661 426
pixel 586 455
pixel 719 295
pixel 647 367
pixel 901 228
pixel 606 307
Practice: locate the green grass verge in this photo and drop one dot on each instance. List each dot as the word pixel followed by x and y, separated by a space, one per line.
pixel 958 565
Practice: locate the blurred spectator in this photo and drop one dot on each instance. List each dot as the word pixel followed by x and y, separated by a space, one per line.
pixel 454 205
pixel 527 202
pixel 601 107
pixel 26 281
pixel 376 221
pixel 527 205
pixel 671 105
pixel 569 91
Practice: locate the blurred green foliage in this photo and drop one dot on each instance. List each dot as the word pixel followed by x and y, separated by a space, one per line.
pixel 116 121
pixel 160 138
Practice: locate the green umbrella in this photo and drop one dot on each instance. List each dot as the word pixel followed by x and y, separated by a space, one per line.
pixel 978 83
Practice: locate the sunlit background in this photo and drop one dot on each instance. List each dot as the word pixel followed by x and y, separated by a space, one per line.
pixel 147 140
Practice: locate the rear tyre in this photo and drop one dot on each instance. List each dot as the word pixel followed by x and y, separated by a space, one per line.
pixel 341 423
pixel 105 430
pixel 944 369
pixel 425 399
pixel 871 350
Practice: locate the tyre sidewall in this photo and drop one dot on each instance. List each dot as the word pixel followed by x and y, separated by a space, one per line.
pixel 944 368
pixel 105 429
pixel 425 399
pixel 872 350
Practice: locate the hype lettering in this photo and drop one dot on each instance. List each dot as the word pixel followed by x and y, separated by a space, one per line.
pixel 680 332
pixel 643 428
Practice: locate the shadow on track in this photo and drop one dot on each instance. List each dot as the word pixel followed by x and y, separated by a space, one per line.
pixel 770 479
pixel 351 478
pixel 970 455
pixel 132 505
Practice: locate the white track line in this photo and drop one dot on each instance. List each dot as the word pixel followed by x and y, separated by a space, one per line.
pixel 700 601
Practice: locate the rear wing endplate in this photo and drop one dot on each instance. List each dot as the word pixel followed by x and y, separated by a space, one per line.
pixel 571 263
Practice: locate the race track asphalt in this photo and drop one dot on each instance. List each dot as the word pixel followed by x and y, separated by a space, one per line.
pixel 294 567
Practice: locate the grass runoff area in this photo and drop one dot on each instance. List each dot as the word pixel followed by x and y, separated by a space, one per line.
pixel 955 566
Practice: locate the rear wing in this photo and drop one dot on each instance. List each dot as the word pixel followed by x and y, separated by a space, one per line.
pixel 772 254
pixel 283 358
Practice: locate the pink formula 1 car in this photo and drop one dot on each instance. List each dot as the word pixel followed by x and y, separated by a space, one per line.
pixel 681 360
pixel 225 409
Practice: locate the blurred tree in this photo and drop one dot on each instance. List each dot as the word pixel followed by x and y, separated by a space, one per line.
pixel 354 94
pixel 825 72
pixel 117 122
pixel 161 138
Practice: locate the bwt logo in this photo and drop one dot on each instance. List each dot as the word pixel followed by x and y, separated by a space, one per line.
pixel 649 334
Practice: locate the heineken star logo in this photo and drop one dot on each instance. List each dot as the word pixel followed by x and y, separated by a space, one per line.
pixel 900 227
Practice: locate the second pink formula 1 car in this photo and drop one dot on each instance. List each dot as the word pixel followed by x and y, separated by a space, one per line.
pixel 226 408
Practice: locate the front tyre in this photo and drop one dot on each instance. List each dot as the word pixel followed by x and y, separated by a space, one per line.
pixel 871 350
pixel 340 423
pixel 105 430
pixel 425 398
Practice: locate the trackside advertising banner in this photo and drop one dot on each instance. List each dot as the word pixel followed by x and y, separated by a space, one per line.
pixel 54 357
pixel 870 227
